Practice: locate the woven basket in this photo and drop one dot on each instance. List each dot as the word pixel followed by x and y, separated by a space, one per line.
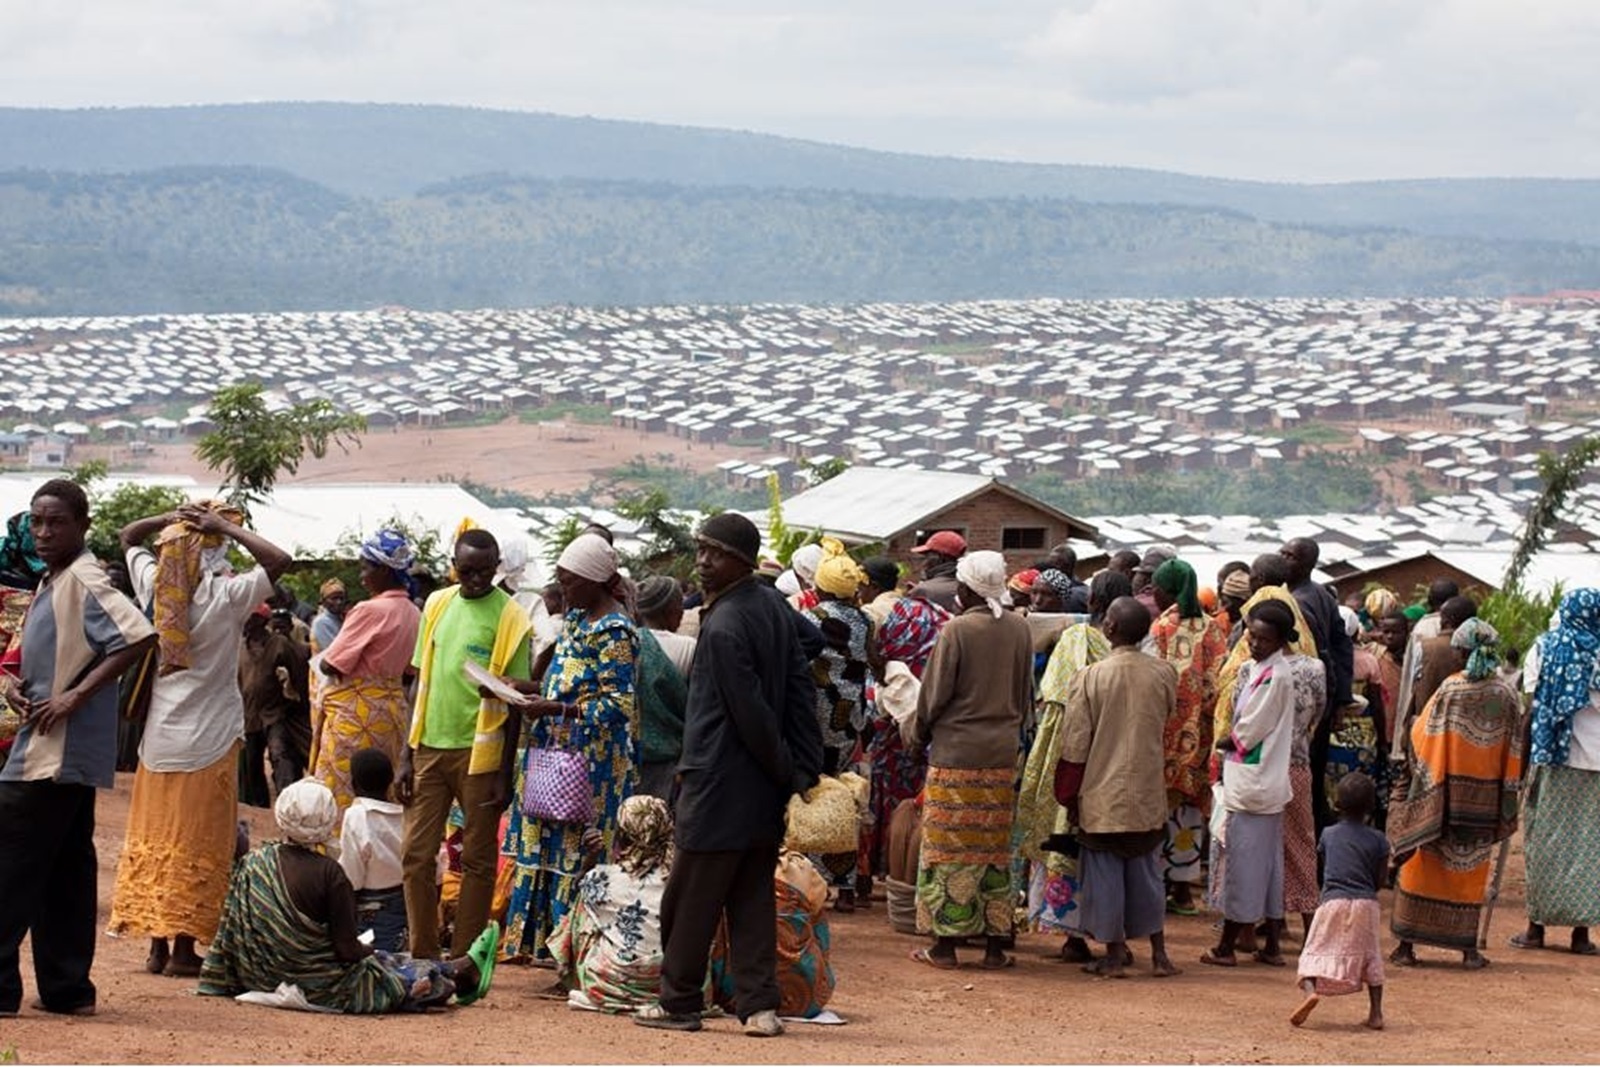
pixel 827 820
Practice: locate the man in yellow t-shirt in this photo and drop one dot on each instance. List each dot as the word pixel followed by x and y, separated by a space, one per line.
pixel 455 755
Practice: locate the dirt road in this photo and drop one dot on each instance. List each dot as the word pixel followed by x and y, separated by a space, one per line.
pixel 1527 1007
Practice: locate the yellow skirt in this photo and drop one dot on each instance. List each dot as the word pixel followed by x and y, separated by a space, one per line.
pixel 353 714
pixel 178 855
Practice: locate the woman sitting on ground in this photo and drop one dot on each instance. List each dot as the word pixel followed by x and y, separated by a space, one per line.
pixel 805 980
pixel 290 917
pixel 608 947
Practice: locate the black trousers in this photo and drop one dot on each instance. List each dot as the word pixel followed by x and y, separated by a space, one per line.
pixel 281 745
pixel 702 887
pixel 47 888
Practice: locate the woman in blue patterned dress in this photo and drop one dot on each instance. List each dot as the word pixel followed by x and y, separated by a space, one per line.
pixel 587 704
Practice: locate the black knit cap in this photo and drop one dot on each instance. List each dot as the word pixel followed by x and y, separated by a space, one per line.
pixel 734 534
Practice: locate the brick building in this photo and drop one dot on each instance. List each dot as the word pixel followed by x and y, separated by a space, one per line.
pixel 902 508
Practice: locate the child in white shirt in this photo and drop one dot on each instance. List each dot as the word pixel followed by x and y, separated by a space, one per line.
pixel 370 850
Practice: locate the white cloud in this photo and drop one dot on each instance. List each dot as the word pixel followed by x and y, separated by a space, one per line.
pixel 1306 89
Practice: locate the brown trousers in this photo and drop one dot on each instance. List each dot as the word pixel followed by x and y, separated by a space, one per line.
pixel 439 778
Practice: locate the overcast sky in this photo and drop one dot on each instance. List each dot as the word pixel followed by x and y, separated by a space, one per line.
pixel 1280 89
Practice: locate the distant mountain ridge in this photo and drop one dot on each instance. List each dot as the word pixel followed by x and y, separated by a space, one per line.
pixel 212 239
pixel 386 151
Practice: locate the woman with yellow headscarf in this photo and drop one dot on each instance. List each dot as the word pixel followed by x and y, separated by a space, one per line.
pixel 840 672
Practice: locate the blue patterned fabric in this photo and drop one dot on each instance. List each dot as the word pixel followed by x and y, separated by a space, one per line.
pixel 1569 668
pixel 592 667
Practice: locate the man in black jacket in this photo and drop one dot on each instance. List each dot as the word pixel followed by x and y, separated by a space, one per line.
pixel 751 740
pixel 1334 647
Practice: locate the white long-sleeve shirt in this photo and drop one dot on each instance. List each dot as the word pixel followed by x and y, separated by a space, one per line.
pixel 1255 775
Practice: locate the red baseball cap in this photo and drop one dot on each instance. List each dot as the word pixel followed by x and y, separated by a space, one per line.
pixel 946 543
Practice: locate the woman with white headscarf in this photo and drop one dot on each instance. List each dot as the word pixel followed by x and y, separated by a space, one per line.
pixel 976 689
pixel 290 918
pixel 584 703
pixel 803 565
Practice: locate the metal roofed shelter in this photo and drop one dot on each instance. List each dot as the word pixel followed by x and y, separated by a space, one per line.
pixel 901 507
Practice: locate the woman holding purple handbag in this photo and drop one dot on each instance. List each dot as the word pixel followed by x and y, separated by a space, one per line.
pixel 585 708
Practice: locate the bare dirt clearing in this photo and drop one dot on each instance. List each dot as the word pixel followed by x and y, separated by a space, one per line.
pixel 1527 1007
pixel 533 458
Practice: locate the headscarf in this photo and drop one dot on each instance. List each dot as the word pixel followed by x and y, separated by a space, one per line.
pixel 513 563
pixel 804 562
pixel 330 587
pixel 184 556
pixel 20 565
pixel 1022 581
pixel 836 573
pixel 788 583
pixel 1208 599
pixel 1060 581
pixel 1482 643
pixel 1237 585
pixel 644 835
pixel 389 548
pixel 1380 604
pixel 1177 579
pixel 306 812
pixel 589 556
pixel 1569 669
pixel 985 574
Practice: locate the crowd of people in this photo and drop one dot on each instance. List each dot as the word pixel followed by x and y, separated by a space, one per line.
pixel 603 777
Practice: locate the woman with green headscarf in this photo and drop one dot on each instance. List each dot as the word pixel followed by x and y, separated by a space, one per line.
pixel 1196 644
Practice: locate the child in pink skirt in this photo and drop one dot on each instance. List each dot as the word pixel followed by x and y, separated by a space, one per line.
pixel 1341 952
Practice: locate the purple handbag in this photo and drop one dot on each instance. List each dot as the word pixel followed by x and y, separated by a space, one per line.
pixel 555 786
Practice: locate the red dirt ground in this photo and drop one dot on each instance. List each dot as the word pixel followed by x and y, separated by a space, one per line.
pixel 1528 1007
pixel 532 458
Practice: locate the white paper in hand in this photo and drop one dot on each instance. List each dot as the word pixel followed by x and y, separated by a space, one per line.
pixel 479 675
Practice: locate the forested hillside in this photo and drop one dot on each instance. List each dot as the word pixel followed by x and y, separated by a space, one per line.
pixel 218 239
pixel 390 150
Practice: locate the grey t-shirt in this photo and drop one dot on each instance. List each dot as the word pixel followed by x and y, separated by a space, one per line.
pixel 1355 858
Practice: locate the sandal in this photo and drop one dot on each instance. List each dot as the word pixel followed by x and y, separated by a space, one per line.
pixel 1522 940
pixel 1000 964
pixel 1260 956
pixel 1583 948
pixel 482 954
pixel 1187 911
pixel 922 955
pixel 1216 959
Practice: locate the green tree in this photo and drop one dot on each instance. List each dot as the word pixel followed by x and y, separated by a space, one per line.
pixel 252 444
pixel 782 541
pixel 1519 616
pixel 109 512
pixel 563 535
pixel 1559 476
pixel 669 546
